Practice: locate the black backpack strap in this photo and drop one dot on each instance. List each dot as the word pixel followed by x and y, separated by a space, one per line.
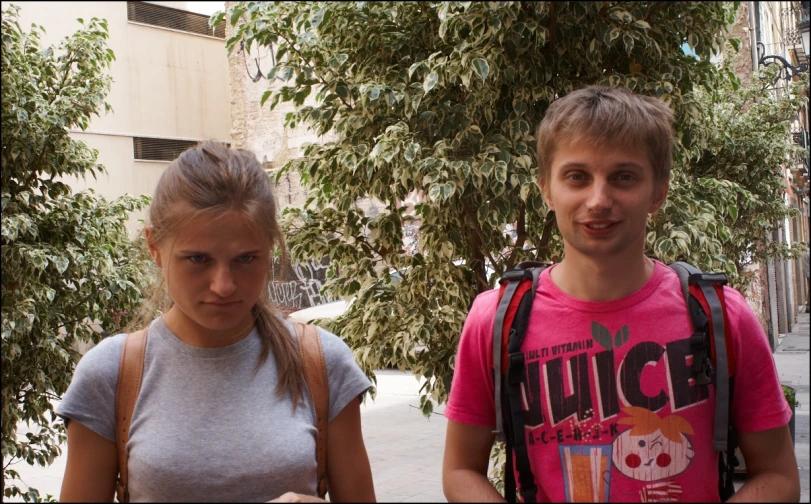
pixel 514 412
pixel 509 472
pixel 725 438
pixel 728 461
pixel 514 278
pixel 702 367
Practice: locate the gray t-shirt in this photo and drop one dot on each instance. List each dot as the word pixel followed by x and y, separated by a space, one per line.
pixel 205 427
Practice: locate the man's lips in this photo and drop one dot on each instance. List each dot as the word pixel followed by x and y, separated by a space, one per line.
pixel 599 226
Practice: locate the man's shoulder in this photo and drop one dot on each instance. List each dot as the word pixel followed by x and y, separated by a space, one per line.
pixel 484 307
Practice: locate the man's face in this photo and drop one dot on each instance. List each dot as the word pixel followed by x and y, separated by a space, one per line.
pixel 601 198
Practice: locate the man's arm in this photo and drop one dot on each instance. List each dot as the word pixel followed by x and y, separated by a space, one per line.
pixel 464 468
pixel 771 467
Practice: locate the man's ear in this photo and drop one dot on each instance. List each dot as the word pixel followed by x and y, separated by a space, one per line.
pixel 154 251
pixel 660 191
pixel 546 192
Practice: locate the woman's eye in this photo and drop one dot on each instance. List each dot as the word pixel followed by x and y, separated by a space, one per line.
pixel 245 259
pixel 197 258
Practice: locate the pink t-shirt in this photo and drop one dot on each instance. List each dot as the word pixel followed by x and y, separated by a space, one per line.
pixel 612 411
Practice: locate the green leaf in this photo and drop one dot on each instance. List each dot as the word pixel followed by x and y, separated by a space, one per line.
pixel 236 13
pixel 481 67
pixel 430 82
pixel 628 42
pixel 412 152
pixel 414 67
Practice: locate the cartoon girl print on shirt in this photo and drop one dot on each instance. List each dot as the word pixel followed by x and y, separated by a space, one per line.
pixel 652 450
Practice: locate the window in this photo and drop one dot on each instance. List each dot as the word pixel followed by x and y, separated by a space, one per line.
pixel 176 19
pixel 159 149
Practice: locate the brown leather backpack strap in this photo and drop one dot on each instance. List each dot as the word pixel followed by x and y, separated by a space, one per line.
pixel 130 372
pixel 315 373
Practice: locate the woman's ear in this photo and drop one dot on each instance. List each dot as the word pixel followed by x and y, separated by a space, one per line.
pixel 154 251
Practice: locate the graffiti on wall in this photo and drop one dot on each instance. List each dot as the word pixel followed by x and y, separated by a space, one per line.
pixel 299 285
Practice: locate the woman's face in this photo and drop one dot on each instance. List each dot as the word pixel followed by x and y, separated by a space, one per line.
pixel 215 269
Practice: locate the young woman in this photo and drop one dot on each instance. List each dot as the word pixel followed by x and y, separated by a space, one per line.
pixel 223 413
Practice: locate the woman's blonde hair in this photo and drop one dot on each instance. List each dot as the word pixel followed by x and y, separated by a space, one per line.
pixel 211 179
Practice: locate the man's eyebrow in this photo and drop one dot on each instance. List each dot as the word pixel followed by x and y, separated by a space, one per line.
pixel 628 165
pixel 573 166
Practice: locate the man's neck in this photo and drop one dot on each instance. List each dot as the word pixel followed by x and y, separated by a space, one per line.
pixel 605 280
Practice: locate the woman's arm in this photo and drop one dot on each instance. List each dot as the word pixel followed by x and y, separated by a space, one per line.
pixel 92 466
pixel 349 475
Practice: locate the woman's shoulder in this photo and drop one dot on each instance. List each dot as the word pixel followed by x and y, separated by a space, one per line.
pixel 103 357
pixel 330 343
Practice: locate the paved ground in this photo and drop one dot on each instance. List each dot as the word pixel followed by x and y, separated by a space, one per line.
pixel 405 448
pixel 792 360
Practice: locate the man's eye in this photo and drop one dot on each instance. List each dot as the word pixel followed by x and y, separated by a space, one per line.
pixel 577 177
pixel 626 177
pixel 245 259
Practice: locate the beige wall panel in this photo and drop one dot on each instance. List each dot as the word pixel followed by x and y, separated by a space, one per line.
pixel 166 83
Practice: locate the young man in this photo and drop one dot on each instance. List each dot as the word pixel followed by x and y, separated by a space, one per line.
pixel 618 420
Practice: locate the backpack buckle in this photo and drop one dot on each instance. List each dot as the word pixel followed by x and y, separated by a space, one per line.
pixel 698 341
pixel 703 371
pixel 515 274
pixel 515 370
pixel 712 278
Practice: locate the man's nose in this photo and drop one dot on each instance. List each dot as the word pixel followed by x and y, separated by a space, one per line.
pixel 223 283
pixel 600 198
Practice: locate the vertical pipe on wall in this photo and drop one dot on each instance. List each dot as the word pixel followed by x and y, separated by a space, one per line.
pixel 753 34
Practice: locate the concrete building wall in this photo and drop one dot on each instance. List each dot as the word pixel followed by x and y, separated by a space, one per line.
pixel 166 84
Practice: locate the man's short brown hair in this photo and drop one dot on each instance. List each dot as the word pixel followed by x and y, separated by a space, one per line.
pixel 608 116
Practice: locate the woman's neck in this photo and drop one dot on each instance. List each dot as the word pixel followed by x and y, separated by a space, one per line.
pixel 190 332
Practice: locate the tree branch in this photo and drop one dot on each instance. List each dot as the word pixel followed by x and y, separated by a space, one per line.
pixel 520 238
pixel 543 244
pixel 310 66
pixel 477 248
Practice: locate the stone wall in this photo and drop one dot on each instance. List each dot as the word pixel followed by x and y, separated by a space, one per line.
pixel 297 286
pixel 757 296
pixel 262 131
pixel 742 62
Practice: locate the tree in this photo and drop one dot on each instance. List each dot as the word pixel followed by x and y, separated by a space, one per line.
pixel 67 259
pixel 442 98
pixel 737 168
